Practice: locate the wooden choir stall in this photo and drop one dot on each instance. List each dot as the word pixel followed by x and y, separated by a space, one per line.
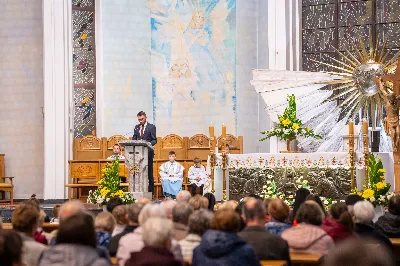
pixel 90 156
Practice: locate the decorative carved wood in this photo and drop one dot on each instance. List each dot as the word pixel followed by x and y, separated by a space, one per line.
pixel 114 140
pixel 231 140
pixel 90 143
pixel 172 141
pixel 199 141
pixel 84 170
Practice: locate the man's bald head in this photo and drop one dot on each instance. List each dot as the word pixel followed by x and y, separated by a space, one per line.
pixel 143 201
pixel 168 206
pixel 184 195
pixel 70 208
pixel 254 211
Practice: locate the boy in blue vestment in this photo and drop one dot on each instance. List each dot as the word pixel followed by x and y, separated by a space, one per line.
pixel 171 174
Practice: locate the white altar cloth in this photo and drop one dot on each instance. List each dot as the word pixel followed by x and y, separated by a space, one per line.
pixel 272 160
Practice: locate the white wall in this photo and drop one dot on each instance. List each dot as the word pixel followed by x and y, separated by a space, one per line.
pixel 21 94
pixel 123 57
pixel 246 60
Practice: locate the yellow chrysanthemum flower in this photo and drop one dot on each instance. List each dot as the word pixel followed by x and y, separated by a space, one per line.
pixel 382 177
pixel 280 119
pixel 286 122
pixel 382 171
pixel 295 126
pixel 368 193
pixel 380 185
pixel 359 193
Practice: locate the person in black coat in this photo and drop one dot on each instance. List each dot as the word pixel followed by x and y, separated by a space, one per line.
pixel 146 131
pixel 389 224
pixel 133 223
pixel 222 246
pixel 266 245
pixel 364 212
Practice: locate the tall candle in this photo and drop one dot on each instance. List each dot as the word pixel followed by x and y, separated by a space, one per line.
pixel 211 129
pixel 365 127
pixel 223 130
pixel 351 128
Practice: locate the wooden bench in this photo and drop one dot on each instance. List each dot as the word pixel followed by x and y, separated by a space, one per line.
pixel 47 227
pixel 4 186
pixel 305 259
pixel 273 263
pixel 86 173
pixel 395 242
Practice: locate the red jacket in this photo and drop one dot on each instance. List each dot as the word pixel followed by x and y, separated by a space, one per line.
pixel 336 230
pixel 41 238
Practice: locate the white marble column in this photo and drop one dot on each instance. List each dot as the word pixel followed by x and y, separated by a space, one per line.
pixel 57 50
pixel 283 41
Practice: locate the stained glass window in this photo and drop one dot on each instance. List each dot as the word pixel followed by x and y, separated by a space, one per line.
pixel 84 67
pixel 332 24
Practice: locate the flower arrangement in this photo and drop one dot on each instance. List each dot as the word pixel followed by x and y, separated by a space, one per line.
pixel 377 190
pixel 303 183
pixel 328 202
pixel 270 191
pixel 109 186
pixel 290 125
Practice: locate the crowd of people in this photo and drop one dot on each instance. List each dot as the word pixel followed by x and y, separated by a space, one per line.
pixel 194 230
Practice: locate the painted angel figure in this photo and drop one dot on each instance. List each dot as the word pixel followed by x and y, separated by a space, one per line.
pixel 205 67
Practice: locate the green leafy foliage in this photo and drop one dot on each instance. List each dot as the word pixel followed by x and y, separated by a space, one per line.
pixel 290 125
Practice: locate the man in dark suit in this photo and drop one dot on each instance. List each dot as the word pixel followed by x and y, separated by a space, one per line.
pixel 146 131
pixel 266 245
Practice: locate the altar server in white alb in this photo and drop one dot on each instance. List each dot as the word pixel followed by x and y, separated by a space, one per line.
pixel 116 153
pixel 197 176
pixel 171 174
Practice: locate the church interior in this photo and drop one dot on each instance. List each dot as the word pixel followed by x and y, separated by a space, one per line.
pixel 275 116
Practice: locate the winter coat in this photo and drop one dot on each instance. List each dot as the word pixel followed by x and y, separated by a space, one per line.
pixel 31 250
pixel 276 228
pixel 150 256
pixel 72 255
pixel 307 238
pixel 266 245
pixel 133 242
pixel 103 238
pixel 389 224
pixel 223 248
pixel 369 233
pixel 336 230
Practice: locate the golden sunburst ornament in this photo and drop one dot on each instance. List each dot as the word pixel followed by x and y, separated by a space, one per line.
pixel 357 70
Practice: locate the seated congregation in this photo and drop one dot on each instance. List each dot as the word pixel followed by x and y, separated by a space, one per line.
pixel 195 230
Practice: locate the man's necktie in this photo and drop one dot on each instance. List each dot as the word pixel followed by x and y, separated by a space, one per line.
pixel 141 131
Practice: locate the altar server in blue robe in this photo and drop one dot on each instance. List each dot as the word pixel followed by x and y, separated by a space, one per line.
pixel 171 174
pixel 197 176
